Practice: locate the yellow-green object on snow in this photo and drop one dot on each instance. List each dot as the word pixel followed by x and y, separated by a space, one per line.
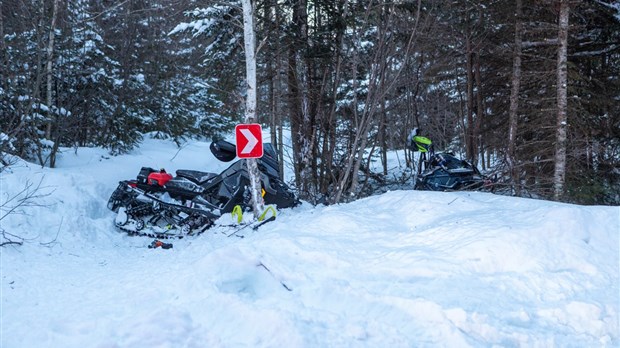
pixel 269 208
pixel 237 212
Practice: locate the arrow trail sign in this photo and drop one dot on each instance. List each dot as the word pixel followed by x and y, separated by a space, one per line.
pixel 249 138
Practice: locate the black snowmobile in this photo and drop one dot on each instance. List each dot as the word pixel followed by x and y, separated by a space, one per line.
pixel 443 171
pixel 160 205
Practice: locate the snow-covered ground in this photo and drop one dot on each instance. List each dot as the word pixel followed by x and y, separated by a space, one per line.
pixel 403 269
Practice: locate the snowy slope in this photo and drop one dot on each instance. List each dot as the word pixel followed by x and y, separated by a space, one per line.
pixel 404 269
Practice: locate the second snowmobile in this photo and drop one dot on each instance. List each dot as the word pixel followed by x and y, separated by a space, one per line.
pixel 161 205
pixel 443 171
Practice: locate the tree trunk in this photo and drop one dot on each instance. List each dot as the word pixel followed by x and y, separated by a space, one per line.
pixel 273 103
pixel 3 54
pixel 383 138
pixel 49 67
pixel 52 120
pixel 294 108
pixel 514 100
pixel 308 121
pixel 329 144
pixel 275 90
pixel 301 129
pixel 477 143
pixel 250 102
pixel 469 125
pixel 559 174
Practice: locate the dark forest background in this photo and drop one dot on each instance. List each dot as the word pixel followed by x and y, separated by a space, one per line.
pixel 484 79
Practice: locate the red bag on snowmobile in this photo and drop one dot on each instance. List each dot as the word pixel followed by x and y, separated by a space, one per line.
pixel 160 178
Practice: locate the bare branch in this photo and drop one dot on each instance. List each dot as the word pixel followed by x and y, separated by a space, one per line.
pixel 26 198
pixel 8 241
pixel 30 196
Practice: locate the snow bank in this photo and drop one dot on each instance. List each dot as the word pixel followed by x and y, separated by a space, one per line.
pixel 407 268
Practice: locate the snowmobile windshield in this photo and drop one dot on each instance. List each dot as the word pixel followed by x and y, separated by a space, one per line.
pixel 449 162
pixel 270 156
pixel 223 150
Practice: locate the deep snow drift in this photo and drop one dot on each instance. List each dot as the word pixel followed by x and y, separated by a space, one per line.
pixel 403 269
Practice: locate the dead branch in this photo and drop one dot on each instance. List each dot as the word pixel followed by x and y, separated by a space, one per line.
pixel 30 196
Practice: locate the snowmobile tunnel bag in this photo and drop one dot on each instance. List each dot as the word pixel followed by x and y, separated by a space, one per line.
pixel 159 178
pixel 151 176
pixel 223 150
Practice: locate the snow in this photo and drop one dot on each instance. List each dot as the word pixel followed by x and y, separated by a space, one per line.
pixel 406 268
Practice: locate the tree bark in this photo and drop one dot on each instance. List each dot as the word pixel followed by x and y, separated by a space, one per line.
pixel 514 100
pixel 301 130
pixel 275 88
pixel 294 110
pixel 383 138
pixel 53 112
pixel 559 174
pixel 478 144
pixel 469 124
pixel 49 67
pixel 250 102
pixel 3 54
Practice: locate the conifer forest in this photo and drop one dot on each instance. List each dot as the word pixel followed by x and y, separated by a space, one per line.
pixel 528 91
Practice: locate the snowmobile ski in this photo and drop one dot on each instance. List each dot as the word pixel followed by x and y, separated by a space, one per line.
pixel 255 226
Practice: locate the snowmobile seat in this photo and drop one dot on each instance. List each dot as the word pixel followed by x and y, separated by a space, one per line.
pixel 196 176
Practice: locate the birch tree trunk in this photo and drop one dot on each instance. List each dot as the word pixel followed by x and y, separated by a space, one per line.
pixel 559 174
pixel 514 99
pixel 250 102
